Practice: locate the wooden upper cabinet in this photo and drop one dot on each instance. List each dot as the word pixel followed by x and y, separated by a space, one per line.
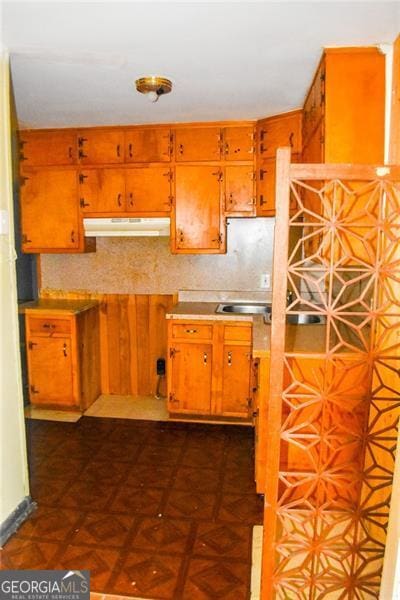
pixel 197 144
pixel 190 377
pixel 148 145
pixel 346 102
pixel 40 148
pixel 198 222
pixel 98 146
pixel 49 210
pixel 148 190
pixel 275 132
pixel 102 190
pixel 239 191
pixel 238 143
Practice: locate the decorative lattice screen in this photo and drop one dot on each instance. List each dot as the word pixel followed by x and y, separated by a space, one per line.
pixel 335 386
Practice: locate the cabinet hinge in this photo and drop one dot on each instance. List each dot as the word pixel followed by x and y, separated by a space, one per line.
pixel 82 177
pixel 172 352
pixel 33 389
pixel 249 402
pixel 172 399
pixel 25 239
pixel 31 345
pixel 22 180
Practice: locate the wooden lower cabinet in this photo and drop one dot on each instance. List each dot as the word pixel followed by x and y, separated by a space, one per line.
pixel 209 367
pixel 63 355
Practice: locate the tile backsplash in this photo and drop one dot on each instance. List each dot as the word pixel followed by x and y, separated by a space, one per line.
pixel 146 265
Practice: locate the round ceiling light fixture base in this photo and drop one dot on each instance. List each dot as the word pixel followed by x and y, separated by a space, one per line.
pixel 153 86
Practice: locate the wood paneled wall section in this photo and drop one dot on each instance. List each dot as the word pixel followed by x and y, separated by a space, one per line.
pixel 394 148
pixel 133 334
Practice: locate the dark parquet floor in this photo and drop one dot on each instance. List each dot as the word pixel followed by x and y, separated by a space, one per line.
pixel 155 510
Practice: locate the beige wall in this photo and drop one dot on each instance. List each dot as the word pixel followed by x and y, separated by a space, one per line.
pixel 146 265
pixel 13 469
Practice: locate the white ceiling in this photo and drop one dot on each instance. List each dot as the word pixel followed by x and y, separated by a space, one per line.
pixel 74 63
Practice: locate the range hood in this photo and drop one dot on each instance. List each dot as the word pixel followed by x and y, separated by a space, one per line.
pixel 127 227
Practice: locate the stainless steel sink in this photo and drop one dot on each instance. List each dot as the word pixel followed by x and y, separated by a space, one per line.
pixel 304 319
pixel 301 319
pixel 244 308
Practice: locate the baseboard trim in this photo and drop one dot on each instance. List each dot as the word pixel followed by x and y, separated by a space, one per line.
pixel 16 518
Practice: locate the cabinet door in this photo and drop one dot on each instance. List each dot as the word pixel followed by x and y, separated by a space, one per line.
pixel 238 143
pixel 202 143
pixel 239 191
pixel 49 210
pixel 190 373
pixel 148 145
pixel 148 190
pixel 50 371
pixel 236 369
pixel 279 131
pixel 48 148
pixel 198 221
pixel 101 147
pixel 266 186
pixel 102 191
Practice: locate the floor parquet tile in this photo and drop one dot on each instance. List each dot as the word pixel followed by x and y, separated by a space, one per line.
pixel 50 524
pixel 223 540
pixel 148 575
pixel 101 563
pixel 160 534
pixel 201 480
pixel 21 553
pixel 191 504
pixel 103 529
pixel 145 502
pixel 209 580
pixel 162 511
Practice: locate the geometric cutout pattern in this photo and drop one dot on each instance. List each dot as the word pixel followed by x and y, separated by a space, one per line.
pixel 338 399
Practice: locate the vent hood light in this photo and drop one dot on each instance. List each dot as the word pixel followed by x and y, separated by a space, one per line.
pixel 127 227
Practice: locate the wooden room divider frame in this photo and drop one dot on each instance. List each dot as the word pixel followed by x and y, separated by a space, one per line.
pixel 334 387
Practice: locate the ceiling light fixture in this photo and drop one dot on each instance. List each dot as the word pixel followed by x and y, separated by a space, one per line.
pixel 153 87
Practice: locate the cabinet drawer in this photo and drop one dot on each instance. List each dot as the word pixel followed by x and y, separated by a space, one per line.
pixel 48 326
pixel 237 334
pixel 192 331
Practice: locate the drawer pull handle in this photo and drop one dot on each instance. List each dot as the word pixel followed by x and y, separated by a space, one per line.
pixel 229 359
pixel 130 150
pixel 70 152
pixel 291 136
pixel 205 357
pixel 119 199
pixel 48 326
pixel 131 199
pixel 118 150
pixel 181 149
pixel 73 236
pixel 191 330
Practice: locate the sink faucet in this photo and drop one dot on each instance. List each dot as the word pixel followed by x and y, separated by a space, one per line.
pixel 289 297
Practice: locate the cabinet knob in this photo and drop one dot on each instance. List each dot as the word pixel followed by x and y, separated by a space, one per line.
pixel 229 359
pixel 205 357
pixel 65 350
